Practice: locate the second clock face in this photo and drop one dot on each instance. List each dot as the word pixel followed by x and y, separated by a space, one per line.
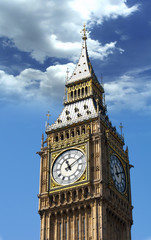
pixel 118 173
pixel 69 167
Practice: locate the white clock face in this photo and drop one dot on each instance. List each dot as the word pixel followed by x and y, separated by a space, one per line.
pixel 69 167
pixel 118 173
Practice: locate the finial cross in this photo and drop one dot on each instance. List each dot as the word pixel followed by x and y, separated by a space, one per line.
pixel 84 31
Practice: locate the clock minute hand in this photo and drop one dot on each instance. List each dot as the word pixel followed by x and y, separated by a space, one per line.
pixel 72 164
pixel 119 173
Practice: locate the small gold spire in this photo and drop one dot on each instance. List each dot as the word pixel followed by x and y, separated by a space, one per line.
pixel 42 141
pixel 121 127
pixel 48 116
pixel 84 32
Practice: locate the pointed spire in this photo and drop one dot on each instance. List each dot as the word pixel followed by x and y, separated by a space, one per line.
pixel 84 68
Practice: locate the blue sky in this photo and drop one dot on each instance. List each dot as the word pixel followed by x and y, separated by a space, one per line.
pixel 38 41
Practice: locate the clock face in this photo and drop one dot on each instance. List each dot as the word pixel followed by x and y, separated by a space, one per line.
pixel 118 173
pixel 69 167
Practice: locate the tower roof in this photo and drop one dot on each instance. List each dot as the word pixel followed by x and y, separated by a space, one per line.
pixel 83 69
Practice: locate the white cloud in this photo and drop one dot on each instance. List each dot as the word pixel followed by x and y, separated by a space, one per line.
pixel 52 28
pixel 33 86
pixel 127 93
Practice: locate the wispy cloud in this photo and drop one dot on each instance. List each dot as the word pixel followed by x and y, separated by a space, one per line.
pixel 127 93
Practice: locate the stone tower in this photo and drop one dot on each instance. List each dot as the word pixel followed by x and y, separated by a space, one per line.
pixel 84 191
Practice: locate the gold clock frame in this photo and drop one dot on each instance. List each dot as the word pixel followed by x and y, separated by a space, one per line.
pixel 83 180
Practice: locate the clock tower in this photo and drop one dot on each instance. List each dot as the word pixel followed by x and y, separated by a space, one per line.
pixel 84 191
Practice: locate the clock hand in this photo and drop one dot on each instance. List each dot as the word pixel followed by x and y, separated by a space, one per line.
pixel 119 173
pixel 116 170
pixel 72 164
pixel 69 166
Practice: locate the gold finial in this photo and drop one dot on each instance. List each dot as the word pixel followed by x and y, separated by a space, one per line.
pixel 84 32
pixel 48 116
pixel 42 141
pixel 121 127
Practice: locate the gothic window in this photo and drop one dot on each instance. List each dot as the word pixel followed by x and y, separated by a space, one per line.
pixel 72 95
pixel 82 91
pixel 62 198
pixel 86 192
pixel 56 138
pixel 78 132
pixel 80 194
pixel 86 90
pixel 78 92
pixel 62 137
pixel 83 130
pixel 72 134
pixel 74 196
pixel 67 135
pixel 75 94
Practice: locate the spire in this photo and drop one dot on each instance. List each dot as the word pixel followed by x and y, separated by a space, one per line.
pixel 84 68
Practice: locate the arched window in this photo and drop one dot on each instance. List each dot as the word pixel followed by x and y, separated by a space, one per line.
pixel 83 130
pixel 75 94
pixel 67 135
pixel 72 134
pixel 56 138
pixel 86 90
pixel 78 92
pixel 78 132
pixel 82 91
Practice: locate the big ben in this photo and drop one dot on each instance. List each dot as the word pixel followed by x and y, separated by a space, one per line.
pixel 84 191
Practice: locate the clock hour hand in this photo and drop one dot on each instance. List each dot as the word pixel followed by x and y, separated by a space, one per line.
pixel 68 166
